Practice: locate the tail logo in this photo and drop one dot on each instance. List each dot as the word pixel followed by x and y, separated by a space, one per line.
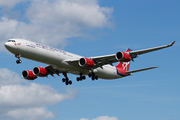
pixel 125 66
pixel 122 68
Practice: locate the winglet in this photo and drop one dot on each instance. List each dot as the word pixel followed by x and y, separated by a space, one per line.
pixel 172 43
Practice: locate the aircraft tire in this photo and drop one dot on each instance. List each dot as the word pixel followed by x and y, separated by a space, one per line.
pixel 77 79
pixel 83 77
pixel 66 82
pixel 70 82
pixel 90 75
pixel 63 80
pixel 18 61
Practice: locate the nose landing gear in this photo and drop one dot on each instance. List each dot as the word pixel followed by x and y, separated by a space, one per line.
pixel 19 60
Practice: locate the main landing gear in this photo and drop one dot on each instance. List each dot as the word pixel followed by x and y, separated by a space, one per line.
pixel 82 77
pixel 19 60
pixel 93 76
pixel 66 79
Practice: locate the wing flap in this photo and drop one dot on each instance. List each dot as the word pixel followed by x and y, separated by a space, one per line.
pixel 52 70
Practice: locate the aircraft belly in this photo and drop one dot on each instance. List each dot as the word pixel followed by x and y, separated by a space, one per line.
pixel 108 72
pixel 44 56
pixel 64 66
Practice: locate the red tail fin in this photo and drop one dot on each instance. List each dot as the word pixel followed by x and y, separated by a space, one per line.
pixel 124 66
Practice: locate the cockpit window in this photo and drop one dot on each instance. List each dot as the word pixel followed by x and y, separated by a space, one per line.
pixel 11 41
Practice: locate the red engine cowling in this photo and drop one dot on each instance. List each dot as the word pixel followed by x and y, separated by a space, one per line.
pixel 123 56
pixel 29 75
pixel 39 71
pixel 86 63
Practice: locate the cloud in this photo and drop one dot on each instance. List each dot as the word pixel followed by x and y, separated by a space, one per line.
pixel 32 94
pixel 83 119
pixel 8 77
pixel 83 13
pixel 31 114
pixel 53 22
pixel 105 118
pixel 102 118
pixel 28 100
pixel 10 3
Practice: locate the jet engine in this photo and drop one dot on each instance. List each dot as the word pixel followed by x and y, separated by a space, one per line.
pixel 29 75
pixel 86 62
pixel 39 71
pixel 123 56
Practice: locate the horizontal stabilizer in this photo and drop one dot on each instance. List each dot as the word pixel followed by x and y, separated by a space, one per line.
pixel 133 71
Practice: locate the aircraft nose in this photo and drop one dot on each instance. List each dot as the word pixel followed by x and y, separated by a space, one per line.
pixel 7 45
pixel 10 46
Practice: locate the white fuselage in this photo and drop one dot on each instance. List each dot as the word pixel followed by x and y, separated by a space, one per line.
pixel 57 58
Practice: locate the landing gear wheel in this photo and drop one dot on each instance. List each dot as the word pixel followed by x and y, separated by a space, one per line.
pixel 63 80
pixel 18 61
pixel 70 82
pixel 90 75
pixel 66 79
pixel 67 83
pixel 93 76
pixel 79 79
pixel 96 77
pixel 83 77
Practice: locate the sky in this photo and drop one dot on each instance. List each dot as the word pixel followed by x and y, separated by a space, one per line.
pixel 92 28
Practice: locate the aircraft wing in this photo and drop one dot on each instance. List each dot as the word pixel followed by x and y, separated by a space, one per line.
pixel 134 54
pixel 109 59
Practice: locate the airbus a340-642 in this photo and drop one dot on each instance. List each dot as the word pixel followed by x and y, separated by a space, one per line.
pixel 60 61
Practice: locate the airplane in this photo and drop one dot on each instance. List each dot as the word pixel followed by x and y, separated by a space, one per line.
pixel 60 61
